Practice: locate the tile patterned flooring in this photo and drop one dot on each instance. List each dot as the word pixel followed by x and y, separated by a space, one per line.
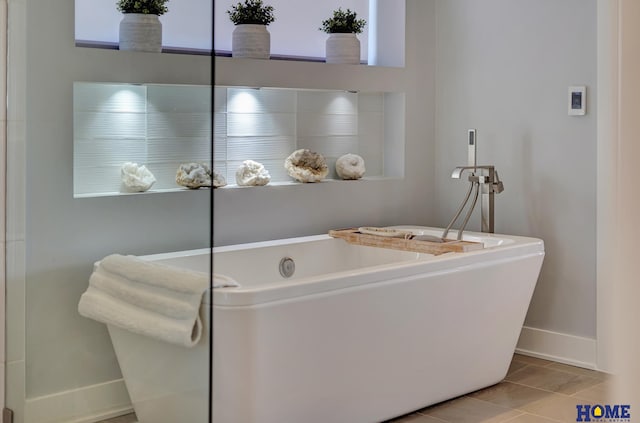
pixel 534 391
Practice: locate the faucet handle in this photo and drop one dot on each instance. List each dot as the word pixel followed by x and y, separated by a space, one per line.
pixel 497 185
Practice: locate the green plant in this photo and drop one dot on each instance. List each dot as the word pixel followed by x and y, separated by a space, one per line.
pixel 147 7
pixel 343 22
pixel 251 12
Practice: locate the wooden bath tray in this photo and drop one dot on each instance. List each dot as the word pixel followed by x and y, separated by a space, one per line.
pixel 353 236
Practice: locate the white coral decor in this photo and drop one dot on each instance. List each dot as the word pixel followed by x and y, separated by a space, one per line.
pixel 252 173
pixel 136 178
pixel 194 175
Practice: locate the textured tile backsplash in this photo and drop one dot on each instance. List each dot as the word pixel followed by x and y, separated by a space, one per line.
pixel 159 126
pixel 266 125
pixel 162 126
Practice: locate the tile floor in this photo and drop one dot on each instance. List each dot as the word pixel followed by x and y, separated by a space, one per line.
pixel 534 391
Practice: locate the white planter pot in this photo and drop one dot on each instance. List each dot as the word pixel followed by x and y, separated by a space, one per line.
pixel 343 48
pixel 140 32
pixel 251 41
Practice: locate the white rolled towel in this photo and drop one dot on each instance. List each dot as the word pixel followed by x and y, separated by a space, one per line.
pixel 149 298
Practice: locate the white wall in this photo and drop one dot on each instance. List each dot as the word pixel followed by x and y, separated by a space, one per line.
pixel 624 283
pixel 386 41
pixel 14 272
pixel 504 67
pixel 52 238
pixel 56 238
pixel 608 98
pixel 273 212
pixel 618 231
pixel 3 148
pixel 496 71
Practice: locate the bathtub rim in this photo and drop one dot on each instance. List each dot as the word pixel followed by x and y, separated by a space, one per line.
pixel 510 247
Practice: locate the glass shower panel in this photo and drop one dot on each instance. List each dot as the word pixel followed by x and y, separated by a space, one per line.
pixel 75 117
pixel 132 367
pixel 133 141
pixel 145 309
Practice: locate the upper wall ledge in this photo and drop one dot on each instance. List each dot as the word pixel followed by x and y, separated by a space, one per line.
pixel 198 52
pixel 281 72
pixel 307 74
pixel 165 49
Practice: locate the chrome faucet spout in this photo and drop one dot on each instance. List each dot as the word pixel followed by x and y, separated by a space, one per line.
pixel 457 172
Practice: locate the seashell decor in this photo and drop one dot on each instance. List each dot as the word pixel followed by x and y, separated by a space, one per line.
pixel 306 166
pixel 350 166
pixel 194 175
pixel 135 177
pixel 252 173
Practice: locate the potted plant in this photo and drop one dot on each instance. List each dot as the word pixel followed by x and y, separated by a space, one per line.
pixel 140 28
pixel 250 38
pixel 343 45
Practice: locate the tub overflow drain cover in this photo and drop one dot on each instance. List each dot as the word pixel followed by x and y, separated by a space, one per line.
pixel 287 267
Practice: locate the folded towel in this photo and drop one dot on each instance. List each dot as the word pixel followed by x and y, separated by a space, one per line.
pixel 148 298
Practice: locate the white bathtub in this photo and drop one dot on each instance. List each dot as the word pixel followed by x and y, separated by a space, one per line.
pixel 357 334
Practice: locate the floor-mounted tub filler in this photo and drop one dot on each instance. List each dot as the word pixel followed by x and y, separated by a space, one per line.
pixel 324 331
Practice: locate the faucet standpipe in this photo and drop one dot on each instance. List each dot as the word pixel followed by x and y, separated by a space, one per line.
pixel 480 177
pixel 486 179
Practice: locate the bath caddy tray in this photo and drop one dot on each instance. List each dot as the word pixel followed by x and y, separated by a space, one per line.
pixel 353 236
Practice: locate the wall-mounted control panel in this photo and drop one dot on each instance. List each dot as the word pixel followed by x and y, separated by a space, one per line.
pixel 577 101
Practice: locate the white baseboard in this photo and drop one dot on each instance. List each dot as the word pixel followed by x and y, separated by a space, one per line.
pixel 83 405
pixel 560 347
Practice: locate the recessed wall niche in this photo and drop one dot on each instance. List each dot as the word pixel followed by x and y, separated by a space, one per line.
pixel 159 126
pixel 162 126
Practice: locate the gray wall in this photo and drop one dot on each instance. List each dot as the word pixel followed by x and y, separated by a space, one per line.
pixel 272 212
pixel 504 67
pixel 63 236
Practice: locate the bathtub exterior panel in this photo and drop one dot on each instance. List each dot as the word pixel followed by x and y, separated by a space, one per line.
pixel 344 355
pixel 167 389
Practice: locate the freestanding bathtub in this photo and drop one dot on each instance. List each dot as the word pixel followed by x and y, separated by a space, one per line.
pixel 357 334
